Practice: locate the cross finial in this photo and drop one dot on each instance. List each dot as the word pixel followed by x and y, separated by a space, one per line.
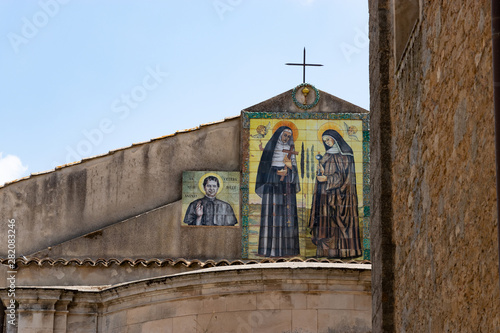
pixel 303 64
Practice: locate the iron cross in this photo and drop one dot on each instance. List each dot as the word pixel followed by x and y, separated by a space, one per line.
pixel 303 66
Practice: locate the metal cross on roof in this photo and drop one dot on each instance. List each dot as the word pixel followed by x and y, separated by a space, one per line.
pixel 303 64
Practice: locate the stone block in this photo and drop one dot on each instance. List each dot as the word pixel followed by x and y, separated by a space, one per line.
pixel 362 302
pixel 343 321
pixel 230 287
pixel 140 314
pixel 241 302
pixel 274 321
pixel 82 323
pixel 184 324
pixel 293 301
pixel 268 301
pixel 158 326
pixel 114 320
pixel 163 310
pixel 235 321
pixel 287 285
pixel 60 321
pixel 210 322
pixel 304 320
pixel 213 304
pixel 118 330
pixel 184 307
pixel 332 301
pixel 136 328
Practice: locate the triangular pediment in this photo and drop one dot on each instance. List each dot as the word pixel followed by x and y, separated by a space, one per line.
pixel 284 103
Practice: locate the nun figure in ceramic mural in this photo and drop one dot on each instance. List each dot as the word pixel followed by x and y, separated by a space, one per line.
pixel 334 220
pixel 277 184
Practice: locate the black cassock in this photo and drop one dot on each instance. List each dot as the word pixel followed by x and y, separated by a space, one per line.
pixel 215 212
pixel 279 228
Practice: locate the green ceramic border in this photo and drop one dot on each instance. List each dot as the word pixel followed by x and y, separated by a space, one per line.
pixel 245 177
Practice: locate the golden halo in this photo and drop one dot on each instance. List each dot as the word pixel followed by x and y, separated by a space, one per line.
pixel 328 126
pixel 202 178
pixel 287 123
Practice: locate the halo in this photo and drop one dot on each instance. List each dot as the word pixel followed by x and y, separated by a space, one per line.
pixel 287 123
pixel 202 178
pixel 327 126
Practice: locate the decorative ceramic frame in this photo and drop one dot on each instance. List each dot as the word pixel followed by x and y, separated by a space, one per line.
pixel 246 118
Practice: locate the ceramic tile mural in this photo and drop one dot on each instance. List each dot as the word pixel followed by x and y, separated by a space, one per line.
pixel 210 198
pixel 305 185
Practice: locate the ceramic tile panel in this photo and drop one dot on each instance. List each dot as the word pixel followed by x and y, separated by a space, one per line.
pixel 210 198
pixel 297 213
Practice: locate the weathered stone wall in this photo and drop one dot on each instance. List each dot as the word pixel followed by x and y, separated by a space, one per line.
pixel 126 204
pixel 382 245
pixel 439 241
pixel 154 234
pixel 73 201
pixel 285 297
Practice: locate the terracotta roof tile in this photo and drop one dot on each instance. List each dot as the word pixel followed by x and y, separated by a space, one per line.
pixel 92 157
pixel 141 143
pixel 167 262
pixel 117 150
pixel 40 173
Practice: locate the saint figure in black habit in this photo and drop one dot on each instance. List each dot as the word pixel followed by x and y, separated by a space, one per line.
pixel 209 210
pixel 334 220
pixel 277 183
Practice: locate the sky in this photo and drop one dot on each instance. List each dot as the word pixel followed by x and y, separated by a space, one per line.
pixel 80 78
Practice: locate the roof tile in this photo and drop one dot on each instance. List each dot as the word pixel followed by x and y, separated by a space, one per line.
pixel 167 262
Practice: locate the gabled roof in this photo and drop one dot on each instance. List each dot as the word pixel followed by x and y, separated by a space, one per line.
pixel 326 103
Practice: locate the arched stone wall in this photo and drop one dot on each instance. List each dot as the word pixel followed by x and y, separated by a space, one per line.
pixel 278 297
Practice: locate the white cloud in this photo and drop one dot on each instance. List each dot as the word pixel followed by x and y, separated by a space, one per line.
pixel 11 168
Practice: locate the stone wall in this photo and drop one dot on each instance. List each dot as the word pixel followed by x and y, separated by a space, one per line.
pixel 154 234
pixel 85 198
pixel 382 245
pixel 85 231
pixel 85 273
pixel 286 297
pixel 126 204
pixel 434 225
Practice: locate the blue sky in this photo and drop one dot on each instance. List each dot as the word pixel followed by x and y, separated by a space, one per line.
pixel 80 78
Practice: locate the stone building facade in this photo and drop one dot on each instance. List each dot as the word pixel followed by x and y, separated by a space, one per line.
pixel 100 248
pixel 279 297
pixel 434 221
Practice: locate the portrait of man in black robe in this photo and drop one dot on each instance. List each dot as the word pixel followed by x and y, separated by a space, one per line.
pixel 209 210
pixel 277 183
